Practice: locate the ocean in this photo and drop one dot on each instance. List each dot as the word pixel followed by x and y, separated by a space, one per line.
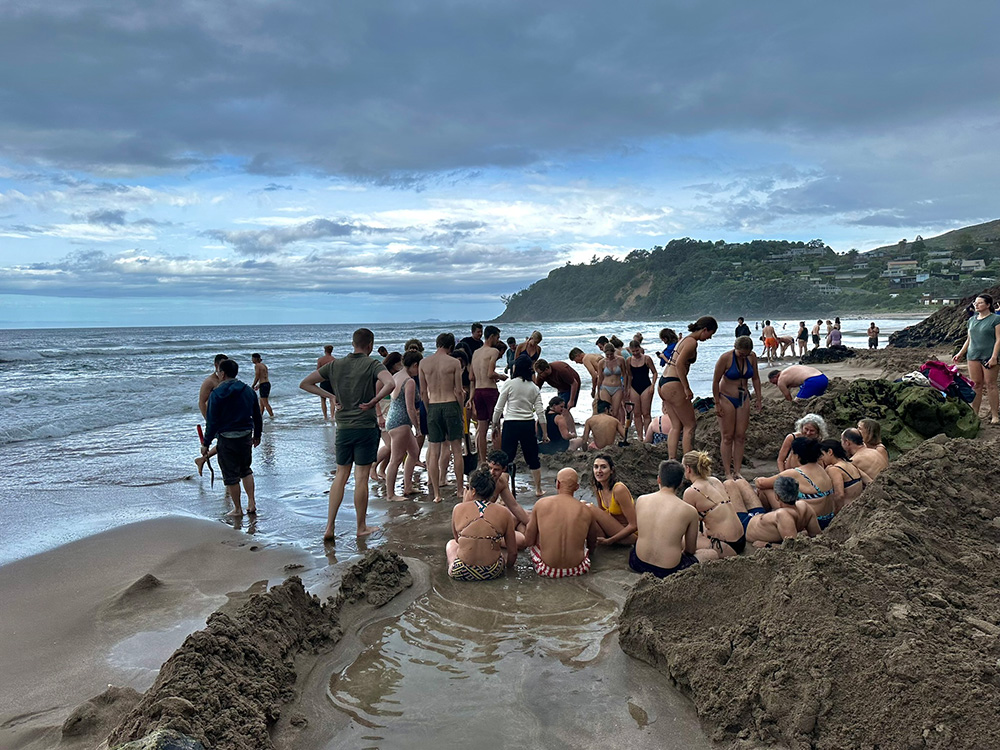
pixel 98 425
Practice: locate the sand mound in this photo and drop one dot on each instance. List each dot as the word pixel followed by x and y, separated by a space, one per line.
pixel 882 633
pixel 98 716
pixel 226 685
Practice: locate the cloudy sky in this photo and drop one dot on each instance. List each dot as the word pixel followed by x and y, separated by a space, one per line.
pixel 391 160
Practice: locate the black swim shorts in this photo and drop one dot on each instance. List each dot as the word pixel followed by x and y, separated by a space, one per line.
pixel 265 390
pixel 356 445
pixel 235 456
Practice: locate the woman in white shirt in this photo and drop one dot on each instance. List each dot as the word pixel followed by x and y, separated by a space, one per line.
pixel 520 404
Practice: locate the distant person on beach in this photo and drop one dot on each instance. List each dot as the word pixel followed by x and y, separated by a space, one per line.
pixel 560 376
pixel 810 426
pixel 262 384
pixel 816 334
pixel 483 544
pixel 483 383
pixel 520 405
pixel 803 338
pixel 742 329
pixel 836 323
pixel 614 510
pixel 562 531
pixel 207 386
pixel 668 527
pixel 810 382
pixel 359 383
pixel 792 517
pixel 786 343
pixel 443 394
pixel 871 462
pixel 604 428
pixel 723 534
pixel 325 385
pixel 834 338
pixel 233 416
pixel 770 338
pixel 734 371
pixel 982 346
pixel 674 387
pixel 475 341
pixel 383 352
pixel 873 332
pixel 591 362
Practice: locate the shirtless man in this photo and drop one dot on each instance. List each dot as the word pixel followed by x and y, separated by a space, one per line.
pixel 873 332
pixel 810 382
pixel 261 383
pixel 497 461
pixel 786 343
pixel 562 530
pixel 591 362
pixel 869 460
pixel 604 427
pixel 667 538
pixel 560 376
pixel 770 341
pixel 441 390
pixel 815 334
pixel 483 377
pixel 793 517
pixel 483 543
pixel 325 385
pixel 207 386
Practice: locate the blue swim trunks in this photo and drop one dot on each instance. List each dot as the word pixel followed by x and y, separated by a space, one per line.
pixel 814 386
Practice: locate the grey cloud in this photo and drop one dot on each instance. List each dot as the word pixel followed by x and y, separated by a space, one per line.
pixel 387 92
pixel 272 187
pixel 107 217
pixel 270 241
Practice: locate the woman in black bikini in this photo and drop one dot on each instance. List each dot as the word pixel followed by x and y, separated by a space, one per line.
pixel 722 530
pixel 674 389
pixel 848 480
pixel 641 373
pixel 732 401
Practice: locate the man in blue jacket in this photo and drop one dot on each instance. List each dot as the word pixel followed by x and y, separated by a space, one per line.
pixel 234 418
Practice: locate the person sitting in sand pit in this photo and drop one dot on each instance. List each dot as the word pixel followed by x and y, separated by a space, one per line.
pixel 615 510
pixel 497 462
pixel 810 426
pixel 605 429
pixel 561 429
pixel 668 527
pixel 562 531
pixel 810 382
pixel 848 480
pixel 731 392
pixel 871 433
pixel 787 522
pixel 658 430
pixel 870 461
pixel 723 533
pixel 815 485
pixel 484 543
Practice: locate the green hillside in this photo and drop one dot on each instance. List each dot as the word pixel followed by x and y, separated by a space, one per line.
pixel 764 278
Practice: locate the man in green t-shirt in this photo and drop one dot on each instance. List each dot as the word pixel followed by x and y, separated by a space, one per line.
pixel 359 383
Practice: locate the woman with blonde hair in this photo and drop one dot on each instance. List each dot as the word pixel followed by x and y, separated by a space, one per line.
pixel 871 433
pixel 722 530
pixel 730 389
pixel 530 346
pixel 674 387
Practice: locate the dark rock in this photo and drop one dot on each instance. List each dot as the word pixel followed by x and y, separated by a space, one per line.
pixel 163 739
pixel 824 355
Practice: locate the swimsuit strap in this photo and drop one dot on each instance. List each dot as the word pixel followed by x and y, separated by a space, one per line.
pixel 808 479
pixel 846 472
pixel 717 502
pixel 481 507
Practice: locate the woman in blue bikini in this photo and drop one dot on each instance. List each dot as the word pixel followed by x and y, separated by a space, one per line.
pixel 732 401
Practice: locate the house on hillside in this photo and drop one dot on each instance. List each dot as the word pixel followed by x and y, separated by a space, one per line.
pixel 859 266
pixel 826 270
pixel 970 266
pixel 927 299
pixel 897 268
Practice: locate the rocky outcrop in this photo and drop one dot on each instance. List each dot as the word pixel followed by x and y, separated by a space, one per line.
pixel 226 685
pixel 947 326
pixel 824 355
pixel 883 632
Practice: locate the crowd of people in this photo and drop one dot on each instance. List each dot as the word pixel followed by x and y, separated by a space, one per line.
pixel 475 415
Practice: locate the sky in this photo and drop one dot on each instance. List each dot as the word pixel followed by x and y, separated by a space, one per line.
pixel 186 162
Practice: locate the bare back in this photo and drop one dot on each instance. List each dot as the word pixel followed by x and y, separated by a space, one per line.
pixel 207 386
pixel 441 378
pixel 479 538
pixel 484 365
pixel 604 428
pixel 665 524
pixel 563 526
pixel 870 461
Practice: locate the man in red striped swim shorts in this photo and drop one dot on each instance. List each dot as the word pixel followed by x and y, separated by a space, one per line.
pixel 562 531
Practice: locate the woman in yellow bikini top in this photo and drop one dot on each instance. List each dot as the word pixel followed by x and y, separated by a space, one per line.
pixel 615 510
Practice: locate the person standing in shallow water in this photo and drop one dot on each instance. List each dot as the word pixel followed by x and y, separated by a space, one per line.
pixel 325 385
pixel 207 386
pixel 359 383
pixel 675 390
pixel 262 384
pixel 873 332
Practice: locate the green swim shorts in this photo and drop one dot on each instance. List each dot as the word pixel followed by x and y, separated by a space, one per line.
pixel 444 422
